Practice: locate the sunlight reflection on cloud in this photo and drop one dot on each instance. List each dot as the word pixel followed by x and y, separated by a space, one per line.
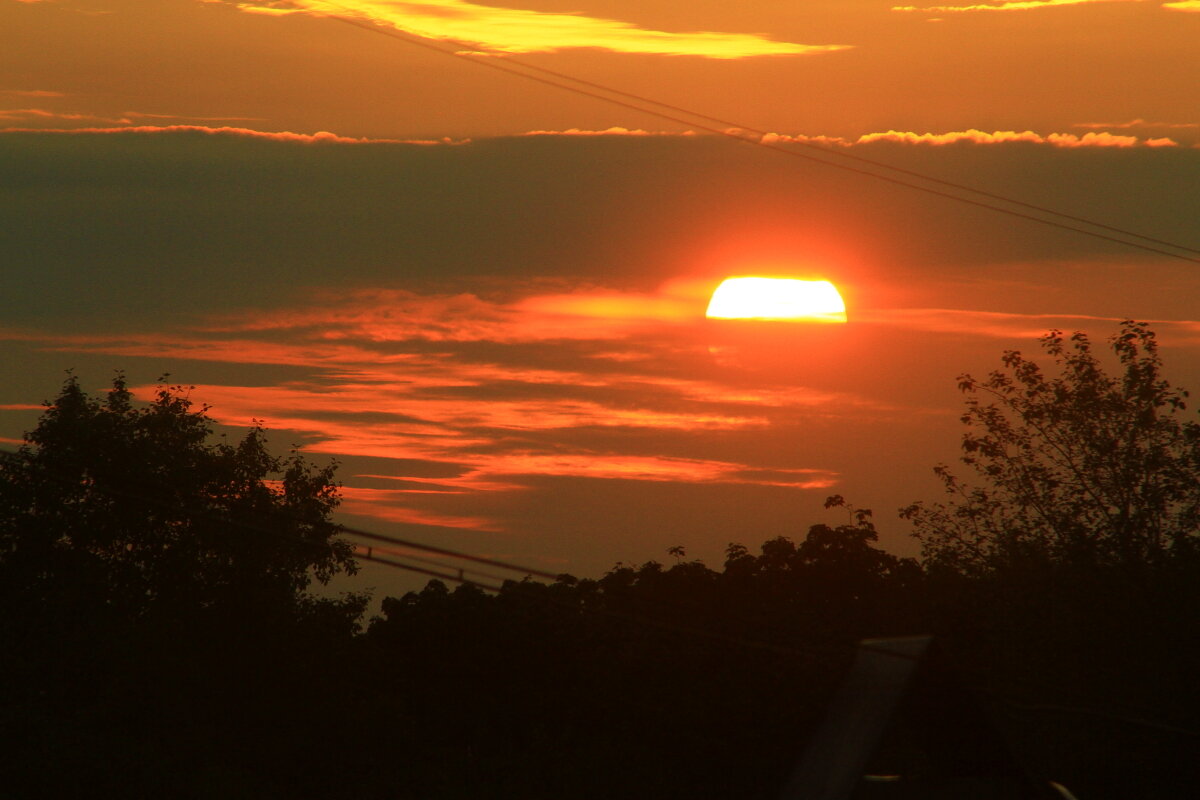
pixel 499 29
pixel 467 397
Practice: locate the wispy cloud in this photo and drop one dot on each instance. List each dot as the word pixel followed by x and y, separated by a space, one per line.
pixel 1090 139
pixel 1010 5
pixel 498 29
pixel 613 131
pixel 1139 123
pixel 147 115
pixel 1005 325
pixel 45 114
pixel 1183 5
pixel 31 93
pixel 466 403
pixel 320 137
pixel 474 397
pixel 1097 137
pixel 1099 134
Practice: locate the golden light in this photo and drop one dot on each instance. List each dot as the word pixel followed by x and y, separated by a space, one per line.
pixel 777 299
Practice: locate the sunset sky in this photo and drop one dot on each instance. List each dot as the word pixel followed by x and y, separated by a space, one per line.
pixel 376 226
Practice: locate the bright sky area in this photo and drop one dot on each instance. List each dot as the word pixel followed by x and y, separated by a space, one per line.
pixel 485 295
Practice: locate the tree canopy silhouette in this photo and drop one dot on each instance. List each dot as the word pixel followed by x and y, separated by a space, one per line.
pixel 133 508
pixel 1082 468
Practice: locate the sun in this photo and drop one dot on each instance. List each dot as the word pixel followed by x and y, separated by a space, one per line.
pixel 777 299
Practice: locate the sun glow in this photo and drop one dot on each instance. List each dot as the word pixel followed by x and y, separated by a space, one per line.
pixel 778 299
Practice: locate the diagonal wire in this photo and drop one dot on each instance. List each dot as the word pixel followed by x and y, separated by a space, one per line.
pixel 371 553
pixel 555 78
pixel 150 500
pixel 807 650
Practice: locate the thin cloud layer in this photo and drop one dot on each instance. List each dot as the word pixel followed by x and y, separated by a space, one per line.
pixel 451 385
pixel 1094 138
pixel 1012 5
pixel 512 30
pixel 472 398
pixel 1091 139
pixel 1012 326
pixel 320 137
pixel 1099 133
pixel 31 93
pixel 1140 123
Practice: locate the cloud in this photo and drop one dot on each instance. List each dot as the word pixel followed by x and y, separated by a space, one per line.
pixel 1090 139
pixel 1093 138
pixel 31 93
pixel 450 390
pixel 388 505
pixel 1010 5
pixel 1005 325
pixel 320 137
pixel 613 131
pixel 1138 123
pixel 1184 5
pixel 512 30
pixel 146 115
pixel 46 114
pixel 1096 138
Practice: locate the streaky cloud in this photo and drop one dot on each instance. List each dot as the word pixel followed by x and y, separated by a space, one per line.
pixel 1090 139
pixel 31 93
pixel 320 137
pixel 1138 123
pixel 1005 325
pixel 616 130
pixel 1011 5
pixel 45 114
pixel 502 30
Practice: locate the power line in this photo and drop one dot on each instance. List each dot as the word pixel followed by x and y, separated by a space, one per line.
pixel 379 537
pixel 808 650
pixel 370 553
pixel 555 80
pixel 459 578
pixel 209 514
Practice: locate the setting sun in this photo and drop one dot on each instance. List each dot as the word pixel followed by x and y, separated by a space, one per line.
pixel 778 299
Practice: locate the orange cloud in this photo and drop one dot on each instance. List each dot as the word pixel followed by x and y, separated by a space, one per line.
pixel 1138 123
pixel 467 437
pixel 393 315
pixel 45 114
pixel 1184 5
pixel 31 93
pixel 449 387
pixel 499 29
pixel 616 130
pixel 1090 139
pixel 147 115
pixel 995 324
pixel 320 137
pixel 1011 5
pixel 381 504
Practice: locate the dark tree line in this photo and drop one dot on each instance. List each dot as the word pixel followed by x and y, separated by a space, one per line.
pixel 158 637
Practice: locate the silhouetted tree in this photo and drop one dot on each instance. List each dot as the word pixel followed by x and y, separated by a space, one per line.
pixel 1082 468
pixel 1065 577
pixel 132 507
pixel 156 633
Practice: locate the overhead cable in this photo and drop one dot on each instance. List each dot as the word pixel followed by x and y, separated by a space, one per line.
pixel 737 132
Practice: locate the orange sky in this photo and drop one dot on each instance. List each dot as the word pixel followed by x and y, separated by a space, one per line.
pixel 832 67
pixel 485 295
